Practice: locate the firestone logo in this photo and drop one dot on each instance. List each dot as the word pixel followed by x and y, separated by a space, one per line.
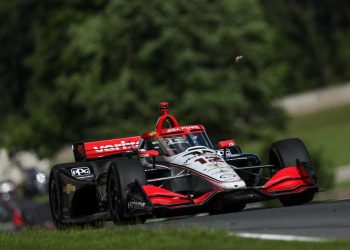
pixel 116 147
pixel 136 205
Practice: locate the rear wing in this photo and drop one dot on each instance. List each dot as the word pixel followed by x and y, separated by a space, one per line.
pixel 84 151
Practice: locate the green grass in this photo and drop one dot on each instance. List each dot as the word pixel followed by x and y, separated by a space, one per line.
pixel 327 131
pixel 136 238
pixel 343 184
pixel 42 198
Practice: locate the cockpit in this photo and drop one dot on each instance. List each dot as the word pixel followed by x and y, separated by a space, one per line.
pixel 175 144
pixel 169 138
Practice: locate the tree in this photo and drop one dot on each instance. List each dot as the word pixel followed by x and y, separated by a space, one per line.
pixel 134 55
pixel 33 37
pixel 117 65
pixel 16 42
pixel 311 40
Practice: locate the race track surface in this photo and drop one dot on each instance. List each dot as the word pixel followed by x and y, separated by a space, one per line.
pixel 325 220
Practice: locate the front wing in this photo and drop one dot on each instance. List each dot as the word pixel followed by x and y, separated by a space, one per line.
pixel 288 181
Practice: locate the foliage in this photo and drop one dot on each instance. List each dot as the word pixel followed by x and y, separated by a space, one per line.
pixel 325 173
pixel 32 41
pixel 102 75
pixel 74 70
pixel 311 41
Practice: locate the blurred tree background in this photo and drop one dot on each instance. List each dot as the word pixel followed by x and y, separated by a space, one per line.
pixel 312 40
pixel 76 70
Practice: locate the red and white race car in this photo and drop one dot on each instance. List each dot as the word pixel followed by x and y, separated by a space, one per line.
pixel 173 170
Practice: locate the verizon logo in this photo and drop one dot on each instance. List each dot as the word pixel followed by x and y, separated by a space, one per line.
pixel 116 147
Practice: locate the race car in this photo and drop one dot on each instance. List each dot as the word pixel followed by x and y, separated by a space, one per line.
pixel 173 170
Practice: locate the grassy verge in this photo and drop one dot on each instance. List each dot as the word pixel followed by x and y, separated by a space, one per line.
pixel 136 238
pixel 327 131
pixel 41 198
pixel 343 184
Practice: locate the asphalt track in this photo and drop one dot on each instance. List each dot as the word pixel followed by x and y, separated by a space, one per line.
pixel 321 220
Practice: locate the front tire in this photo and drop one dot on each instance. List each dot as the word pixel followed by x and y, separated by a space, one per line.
pixel 286 153
pixel 297 199
pixel 120 175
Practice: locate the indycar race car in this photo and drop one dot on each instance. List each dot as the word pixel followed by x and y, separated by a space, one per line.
pixel 173 170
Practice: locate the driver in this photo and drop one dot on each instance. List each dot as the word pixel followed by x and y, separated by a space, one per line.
pixel 177 144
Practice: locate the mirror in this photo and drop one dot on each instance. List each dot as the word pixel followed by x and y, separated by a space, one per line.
pixel 226 144
pixel 149 153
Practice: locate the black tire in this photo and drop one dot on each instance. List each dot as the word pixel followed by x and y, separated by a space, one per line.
pixel 297 199
pixel 55 198
pixel 286 153
pixel 120 174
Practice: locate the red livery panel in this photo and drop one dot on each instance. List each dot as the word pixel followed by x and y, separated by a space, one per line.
pixel 163 197
pixel 288 179
pixel 110 147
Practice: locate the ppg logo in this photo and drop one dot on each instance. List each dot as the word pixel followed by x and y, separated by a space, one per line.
pixel 78 172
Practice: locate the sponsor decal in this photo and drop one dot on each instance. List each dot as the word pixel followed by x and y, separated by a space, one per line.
pixel 189 158
pixel 136 205
pixel 80 172
pixel 220 152
pixel 69 188
pixel 117 147
pixel 204 160
pixel 178 129
pixel 210 165
pixel 239 158
pixel 153 133
pixel 215 160
pixel 215 170
pixel 227 176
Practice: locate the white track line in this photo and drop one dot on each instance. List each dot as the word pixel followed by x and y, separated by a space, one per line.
pixel 279 237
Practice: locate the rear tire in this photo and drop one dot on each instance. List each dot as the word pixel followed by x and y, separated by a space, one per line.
pixel 55 198
pixel 286 153
pixel 120 175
